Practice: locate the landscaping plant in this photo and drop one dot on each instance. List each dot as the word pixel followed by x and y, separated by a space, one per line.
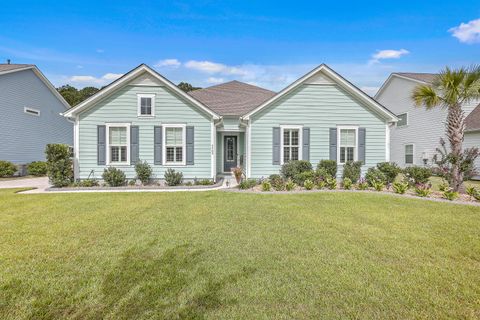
pixel 449 194
pixel 347 184
pixel 352 170
pixel 390 170
pixel 292 168
pixel 331 183
pixel 320 183
pixel 362 184
pixel 144 171
pixel 308 184
pixel 203 182
pixel 416 174
pixel 247 184
pixel 237 173
pixel 266 186
pixel 330 167
pixel 59 165
pixel 444 186
pixel 472 191
pixel 114 177
pixel 88 183
pixel 37 168
pixel 278 183
pixel 400 187
pixel 7 169
pixel 423 189
pixel 378 185
pixel 375 175
pixel 300 178
pixel 173 178
pixel 290 185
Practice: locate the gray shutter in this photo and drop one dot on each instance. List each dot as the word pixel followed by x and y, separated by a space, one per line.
pixel 333 144
pixel 306 144
pixel 361 144
pixel 157 145
pixel 101 145
pixel 190 135
pixel 134 144
pixel 276 146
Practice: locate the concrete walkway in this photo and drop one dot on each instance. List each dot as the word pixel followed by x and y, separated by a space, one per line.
pixel 39 183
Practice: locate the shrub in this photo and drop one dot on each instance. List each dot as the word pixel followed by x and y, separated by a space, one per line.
pixel 290 185
pixel 449 194
pixel 347 184
pixel 292 168
pixel 390 170
pixel 400 187
pixel 322 173
pixel 59 165
pixel 203 182
pixel 37 168
pixel 331 183
pixel 471 191
pixel 321 183
pixel 114 177
pixel 352 170
pixel 247 184
pixel 278 183
pixel 132 183
pixel 423 189
pixel 477 196
pixel 300 178
pixel 416 175
pixel 378 185
pixel 88 183
pixel 266 186
pixel 7 169
pixel 362 184
pixel 308 184
pixel 375 175
pixel 330 167
pixel 173 178
pixel 144 171
pixel 444 186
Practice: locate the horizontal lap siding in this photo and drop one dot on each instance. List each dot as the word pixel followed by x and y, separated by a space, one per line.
pixel 318 107
pixel 122 107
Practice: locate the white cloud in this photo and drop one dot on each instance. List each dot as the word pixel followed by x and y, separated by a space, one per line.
pixel 467 32
pixel 214 80
pixel 388 54
pixel 168 63
pixel 94 81
pixel 214 67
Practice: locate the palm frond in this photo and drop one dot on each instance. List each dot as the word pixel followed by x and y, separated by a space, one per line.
pixel 424 95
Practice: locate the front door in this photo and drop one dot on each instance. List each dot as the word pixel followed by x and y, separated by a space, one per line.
pixel 229 153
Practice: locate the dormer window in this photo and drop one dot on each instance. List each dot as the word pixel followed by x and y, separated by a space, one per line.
pixel 146 105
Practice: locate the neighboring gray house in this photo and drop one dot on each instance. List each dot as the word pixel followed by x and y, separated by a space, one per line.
pixel 415 137
pixel 30 114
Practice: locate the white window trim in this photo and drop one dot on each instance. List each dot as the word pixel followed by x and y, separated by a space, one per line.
pixel 184 145
pixel 145 95
pixel 300 140
pixel 355 154
pixel 115 125
pixel 405 153
pixel 406 124
pixel 26 109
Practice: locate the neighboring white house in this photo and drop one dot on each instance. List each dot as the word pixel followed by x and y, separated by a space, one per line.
pixel 415 137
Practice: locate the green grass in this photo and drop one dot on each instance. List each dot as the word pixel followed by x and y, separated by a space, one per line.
pixel 217 255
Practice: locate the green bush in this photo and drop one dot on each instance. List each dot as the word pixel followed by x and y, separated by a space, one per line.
pixel 132 183
pixel 114 177
pixel 266 186
pixel 59 165
pixel 144 171
pixel 320 183
pixel 278 183
pixel 444 186
pixel 308 184
pixel 292 168
pixel 331 183
pixel 347 184
pixel 290 185
pixel 330 166
pixel 390 170
pixel 37 168
pixel 88 183
pixel 472 191
pixel 423 189
pixel 7 169
pixel 416 175
pixel 375 175
pixel 173 178
pixel 300 178
pixel 449 194
pixel 203 182
pixel 378 185
pixel 352 170
pixel 322 173
pixel 362 184
pixel 247 184
pixel 400 187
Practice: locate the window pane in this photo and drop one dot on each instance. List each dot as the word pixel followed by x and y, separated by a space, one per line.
pixel 286 154
pixel 350 151
pixel 114 154
pixel 174 136
pixel 342 155
pixel 347 137
pixel 409 159
pixel 286 137
pixel 145 102
pixel 409 149
pixel 118 135
pixel 402 120
pixel 294 153
pixel 170 154
pixel 178 154
pixel 294 134
pixel 123 154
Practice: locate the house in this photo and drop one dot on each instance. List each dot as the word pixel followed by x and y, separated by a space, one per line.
pixel 204 134
pixel 30 114
pixel 416 136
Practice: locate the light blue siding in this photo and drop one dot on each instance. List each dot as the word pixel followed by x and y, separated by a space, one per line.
pixel 23 137
pixel 121 107
pixel 318 107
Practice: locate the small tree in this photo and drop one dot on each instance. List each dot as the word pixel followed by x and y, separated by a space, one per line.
pixel 59 165
pixel 144 171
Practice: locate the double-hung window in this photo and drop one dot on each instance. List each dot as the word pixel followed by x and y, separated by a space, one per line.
pixel 347 144
pixel 174 151
pixel 118 143
pixel 409 153
pixel 146 105
pixel 291 143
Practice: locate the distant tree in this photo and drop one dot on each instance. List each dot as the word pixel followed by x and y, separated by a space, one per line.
pixel 74 96
pixel 185 86
pixel 87 92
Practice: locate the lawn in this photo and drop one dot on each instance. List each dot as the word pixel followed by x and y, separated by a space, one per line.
pixel 220 255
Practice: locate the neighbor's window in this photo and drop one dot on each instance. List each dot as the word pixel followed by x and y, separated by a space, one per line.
pixel 348 145
pixel 33 112
pixel 118 144
pixel 409 154
pixel 291 144
pixel 146 105
pixel 174 145
pixel 402 120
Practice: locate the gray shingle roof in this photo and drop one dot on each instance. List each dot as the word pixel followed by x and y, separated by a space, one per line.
pixel 8 67
pixel 425 77
pixel 232 98
pixel 472 121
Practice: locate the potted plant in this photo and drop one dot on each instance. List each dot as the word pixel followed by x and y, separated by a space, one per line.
pixel 237 172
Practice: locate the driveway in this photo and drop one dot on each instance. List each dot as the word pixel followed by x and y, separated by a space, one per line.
pixel 40 183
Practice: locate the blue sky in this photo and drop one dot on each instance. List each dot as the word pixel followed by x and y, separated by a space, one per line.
pixel 268 43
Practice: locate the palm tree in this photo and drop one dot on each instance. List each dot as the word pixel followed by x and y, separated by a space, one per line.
pixel 450 89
